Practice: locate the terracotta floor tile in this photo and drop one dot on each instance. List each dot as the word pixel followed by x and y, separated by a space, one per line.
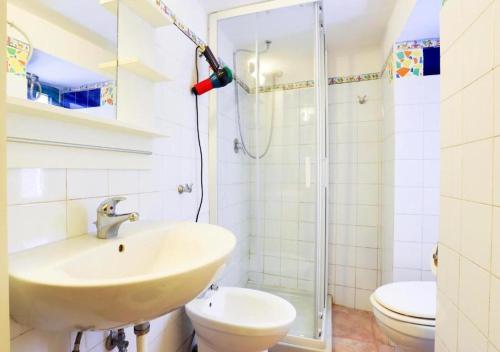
pixel 348 345
pixel 385 348
pixel 357 331
pixel 352 324
pixel 379 336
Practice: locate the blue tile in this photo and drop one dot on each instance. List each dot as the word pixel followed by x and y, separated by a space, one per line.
pixel 68 100
pixel 82 98
pixel 432 64
pixel 94 98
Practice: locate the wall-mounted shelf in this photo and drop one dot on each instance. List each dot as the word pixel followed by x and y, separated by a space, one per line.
pixel 136 66
pixel 33 108
pixel 146 9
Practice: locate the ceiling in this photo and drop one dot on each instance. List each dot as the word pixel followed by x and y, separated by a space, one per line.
pixel 423 22
pixel 290 32
pixel 350 24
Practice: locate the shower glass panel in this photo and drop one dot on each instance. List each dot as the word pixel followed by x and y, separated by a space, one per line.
pixel 268 153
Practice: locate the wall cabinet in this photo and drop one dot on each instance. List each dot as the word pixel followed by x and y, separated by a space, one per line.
pixel 81 82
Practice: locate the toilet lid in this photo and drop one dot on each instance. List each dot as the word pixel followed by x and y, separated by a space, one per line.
pixel 415 299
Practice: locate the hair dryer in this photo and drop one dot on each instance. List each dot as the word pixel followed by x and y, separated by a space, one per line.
pixel 221 76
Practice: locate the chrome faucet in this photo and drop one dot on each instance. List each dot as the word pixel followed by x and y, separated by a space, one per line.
pixel 209 292
pixel 108 222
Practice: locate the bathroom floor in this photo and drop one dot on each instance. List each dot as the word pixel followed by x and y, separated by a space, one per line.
pixel 356 331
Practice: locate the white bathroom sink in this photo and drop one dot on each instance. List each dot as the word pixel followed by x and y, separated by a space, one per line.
pixel 85 283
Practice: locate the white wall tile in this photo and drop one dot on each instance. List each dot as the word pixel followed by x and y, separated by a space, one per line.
pixel 409 145
pixel 451 172
pixel 366 258
pixel 496 91
pixel 362 300
pixel 478 171
pixel 478 40
pixel 408 173
pixel 451 120
pixel 447 322
pixel 344 296
pixel 496 171
pixel 36 185
pixel 407 255
pixel 450 228
pixel 470 28
pixel 123 182
pixel 87 183
pixel 478 102
pixel 448 273
pixel 366 279
pixel 474 294
pixel 408 228
pixel 469 337
pixel 495 243
pixel 476 233
pixel 345 276
pixel 35 224
pixel 494 313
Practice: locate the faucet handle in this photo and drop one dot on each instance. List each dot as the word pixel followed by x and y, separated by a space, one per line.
pixel 108 206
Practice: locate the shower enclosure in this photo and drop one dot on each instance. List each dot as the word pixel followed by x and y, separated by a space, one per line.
pixel 268 171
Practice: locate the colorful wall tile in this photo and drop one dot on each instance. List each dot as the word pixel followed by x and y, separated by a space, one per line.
pixel 17 56
pixel 409 62
pixel 108 94
pixel 415 58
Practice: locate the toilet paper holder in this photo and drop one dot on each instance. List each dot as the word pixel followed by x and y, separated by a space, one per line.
pixel 435 256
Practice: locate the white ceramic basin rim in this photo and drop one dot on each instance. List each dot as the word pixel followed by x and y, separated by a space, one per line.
pixel 149 270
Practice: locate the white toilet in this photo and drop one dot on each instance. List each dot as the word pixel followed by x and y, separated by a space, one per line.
pixel 406 312
pixel 233 319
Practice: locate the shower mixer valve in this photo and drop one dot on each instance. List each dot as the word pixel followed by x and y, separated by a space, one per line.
pixel 187 188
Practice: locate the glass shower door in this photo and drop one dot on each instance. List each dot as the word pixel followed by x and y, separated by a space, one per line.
pixel 271 134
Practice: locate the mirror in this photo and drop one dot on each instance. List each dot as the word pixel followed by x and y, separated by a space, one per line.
pixel 62 53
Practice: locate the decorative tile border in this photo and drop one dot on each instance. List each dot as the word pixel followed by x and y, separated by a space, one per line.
pixel 418 44
pixel 288 86
pixel 17 56
pixel 354 78
pixel 184 29
pixel 89 86
pixel 310 83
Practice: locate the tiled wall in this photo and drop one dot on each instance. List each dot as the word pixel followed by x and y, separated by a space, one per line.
pixel 47 205
pixel 468 316
pixel 283 210
pixel 355 149
pixel 416 176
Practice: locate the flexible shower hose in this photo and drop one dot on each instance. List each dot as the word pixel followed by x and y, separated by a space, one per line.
pixel 245 148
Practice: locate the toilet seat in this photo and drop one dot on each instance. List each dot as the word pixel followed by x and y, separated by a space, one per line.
pixel 412 298
pixel 401 317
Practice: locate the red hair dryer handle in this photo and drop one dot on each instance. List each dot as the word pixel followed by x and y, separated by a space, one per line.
pixel 203 87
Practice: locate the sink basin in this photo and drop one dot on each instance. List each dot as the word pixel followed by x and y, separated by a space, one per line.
pixel 86 283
